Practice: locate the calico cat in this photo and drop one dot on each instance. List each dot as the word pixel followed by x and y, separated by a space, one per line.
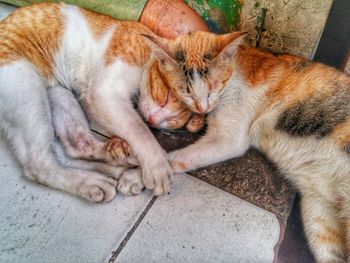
pixel 295 111
pixel 205 62
pixel 101 61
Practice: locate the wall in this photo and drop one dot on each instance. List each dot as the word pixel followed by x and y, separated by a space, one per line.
pixel 291 26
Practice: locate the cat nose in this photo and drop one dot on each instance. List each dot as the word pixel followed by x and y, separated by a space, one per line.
pixel 202 107
pixel 154 120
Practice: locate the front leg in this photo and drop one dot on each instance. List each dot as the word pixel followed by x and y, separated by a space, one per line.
pixel 72 129
pixel 116 116
pixel 226 138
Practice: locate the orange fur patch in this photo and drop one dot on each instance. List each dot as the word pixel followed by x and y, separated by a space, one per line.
pixel 98 23
pixel 327 238
pixel 330 234
pixel 341 134
pixel 292 86
pixel 178 166
pixel 195 46
pixel 256 66
pixel 156 86
pixel 25 34
pixel 128 44
pixel 198 48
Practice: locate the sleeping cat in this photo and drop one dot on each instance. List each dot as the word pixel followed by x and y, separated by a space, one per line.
pixel 204 59
pixel 101 61
pixel 113 158
pixel 160 107
pixel 297 113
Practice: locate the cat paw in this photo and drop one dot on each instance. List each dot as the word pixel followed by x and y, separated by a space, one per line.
pixel 117 148
pixel 98 188
pixel 176 163
pixel 120 151
pixel 157 177
pixel 130 182
pixel 196 123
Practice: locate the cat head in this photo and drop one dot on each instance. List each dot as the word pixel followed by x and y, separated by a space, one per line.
pixel 199 65
pixel 157 103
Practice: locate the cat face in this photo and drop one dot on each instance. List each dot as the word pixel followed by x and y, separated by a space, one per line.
pixel 204 64
pixel 158 104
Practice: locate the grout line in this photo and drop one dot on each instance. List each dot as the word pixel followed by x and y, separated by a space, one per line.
pixel 116 253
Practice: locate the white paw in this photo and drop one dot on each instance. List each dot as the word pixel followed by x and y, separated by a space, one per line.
pixel 177 163
pixel 98 188
pixel 157 177
pixel 130 182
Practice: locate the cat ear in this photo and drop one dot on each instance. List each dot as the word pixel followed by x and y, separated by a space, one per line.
pixel 228 43
pixel 160 48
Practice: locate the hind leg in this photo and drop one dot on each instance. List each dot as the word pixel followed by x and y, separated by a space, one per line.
pixel 72 128
pixel 129 180
pixel 25 121
pixel 323 229
pixel 100 167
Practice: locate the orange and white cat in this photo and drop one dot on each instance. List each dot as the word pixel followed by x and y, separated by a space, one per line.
pixel 298 113
pixel 160 107
pixel 72 129
pixel 57 50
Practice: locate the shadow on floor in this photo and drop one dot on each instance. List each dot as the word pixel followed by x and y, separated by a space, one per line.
pixel 294 248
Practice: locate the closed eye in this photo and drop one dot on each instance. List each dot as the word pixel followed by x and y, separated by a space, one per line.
pixel 165 102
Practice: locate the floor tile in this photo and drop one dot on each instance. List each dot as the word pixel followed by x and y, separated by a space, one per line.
pixel 39 224
pixel 200 223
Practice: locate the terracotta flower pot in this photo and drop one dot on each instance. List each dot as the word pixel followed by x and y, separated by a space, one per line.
pixel 170 18
pixel 167 18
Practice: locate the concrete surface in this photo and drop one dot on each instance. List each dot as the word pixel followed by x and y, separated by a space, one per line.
pixel 195 223
pixel 291 26
pixel 39 224
pixel 199 223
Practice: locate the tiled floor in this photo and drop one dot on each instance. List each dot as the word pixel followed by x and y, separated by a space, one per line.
pixel 199 223
pixel 195 223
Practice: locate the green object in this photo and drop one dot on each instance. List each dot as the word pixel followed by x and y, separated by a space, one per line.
pixel 260 20
pixel 120 9
pixel 221 16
